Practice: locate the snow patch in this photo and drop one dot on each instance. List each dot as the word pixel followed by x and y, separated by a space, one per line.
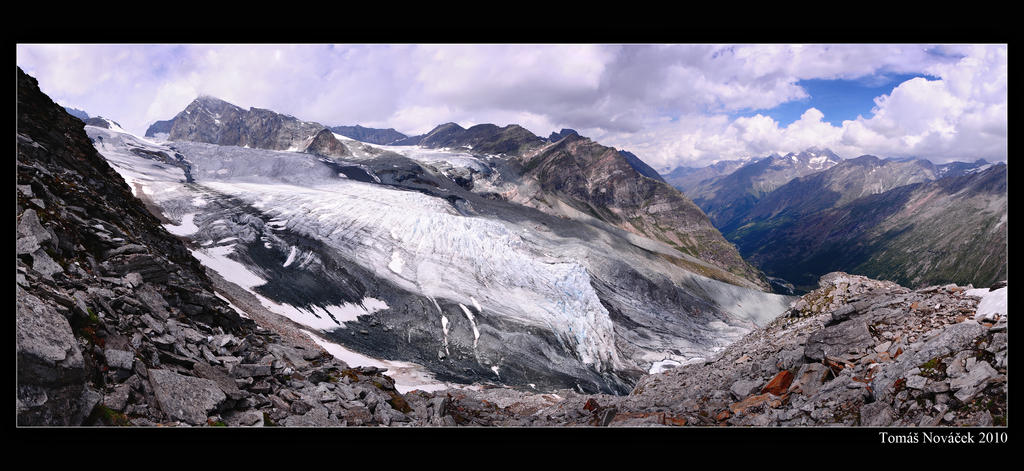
pixel 238 310
pixel 992 305
pixel 408 376
pixel 396 263
pixel 472 322
pixel 216 258
pixel 291 257
pixel 663 365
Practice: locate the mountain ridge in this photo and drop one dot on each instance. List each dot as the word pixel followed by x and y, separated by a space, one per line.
pixel 215 121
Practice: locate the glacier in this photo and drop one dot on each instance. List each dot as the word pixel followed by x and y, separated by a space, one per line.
pixel 385 256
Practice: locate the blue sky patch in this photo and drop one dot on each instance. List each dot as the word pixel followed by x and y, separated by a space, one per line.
pixel 838 99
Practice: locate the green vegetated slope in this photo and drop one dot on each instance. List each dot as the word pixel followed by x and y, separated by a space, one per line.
pixel 951 230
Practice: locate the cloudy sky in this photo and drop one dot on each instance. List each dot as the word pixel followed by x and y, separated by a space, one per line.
pixel 671 105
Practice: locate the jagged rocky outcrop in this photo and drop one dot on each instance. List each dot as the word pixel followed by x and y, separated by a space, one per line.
pixel 557 136
pixel 370 135
pixel 117 324
pixel 215 121
pixel 855 352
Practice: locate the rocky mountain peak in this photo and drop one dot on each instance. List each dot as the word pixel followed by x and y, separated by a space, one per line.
pixel 214 121
pixel 555 136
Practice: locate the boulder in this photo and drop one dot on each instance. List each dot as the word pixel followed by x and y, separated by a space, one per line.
pixel 744 388
pixel 968 385
pixel 837 340
pixel 809 379
pixel 185 398
pixel 119 358
pixel 876 414
pixel 779 384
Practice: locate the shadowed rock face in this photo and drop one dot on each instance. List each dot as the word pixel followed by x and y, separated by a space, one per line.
pixel 117 324
pixel 78 221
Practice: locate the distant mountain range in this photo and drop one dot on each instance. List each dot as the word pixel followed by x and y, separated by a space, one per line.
pixel 799 216
pixel 82 115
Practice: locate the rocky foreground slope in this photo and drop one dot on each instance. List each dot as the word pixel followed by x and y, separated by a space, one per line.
pixel 117 324
pixel 854 352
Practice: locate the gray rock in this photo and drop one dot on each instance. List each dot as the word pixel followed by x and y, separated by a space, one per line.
pixel 970 384
pixel 916 382
pixel 789 358
pixel 998 342
pixel 86 403
pixel 936 387
pixel 133 280
pixel 119 358
pixel 953 338
pixel 118 398
pixel 957 364
pixel 839 339
pixel 47 351
pixel 185 398
pixel 157 326
pixel 315 417
pixel 42 263
pixel 809 378
pixel 248 418
pixel 744 388
pixel 29 226
pixel 222 378
pixel 153 300
pixel 843 313
pixel 245 370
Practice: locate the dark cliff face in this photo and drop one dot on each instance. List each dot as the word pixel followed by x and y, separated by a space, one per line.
pixel 79 224
pixel 117 323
